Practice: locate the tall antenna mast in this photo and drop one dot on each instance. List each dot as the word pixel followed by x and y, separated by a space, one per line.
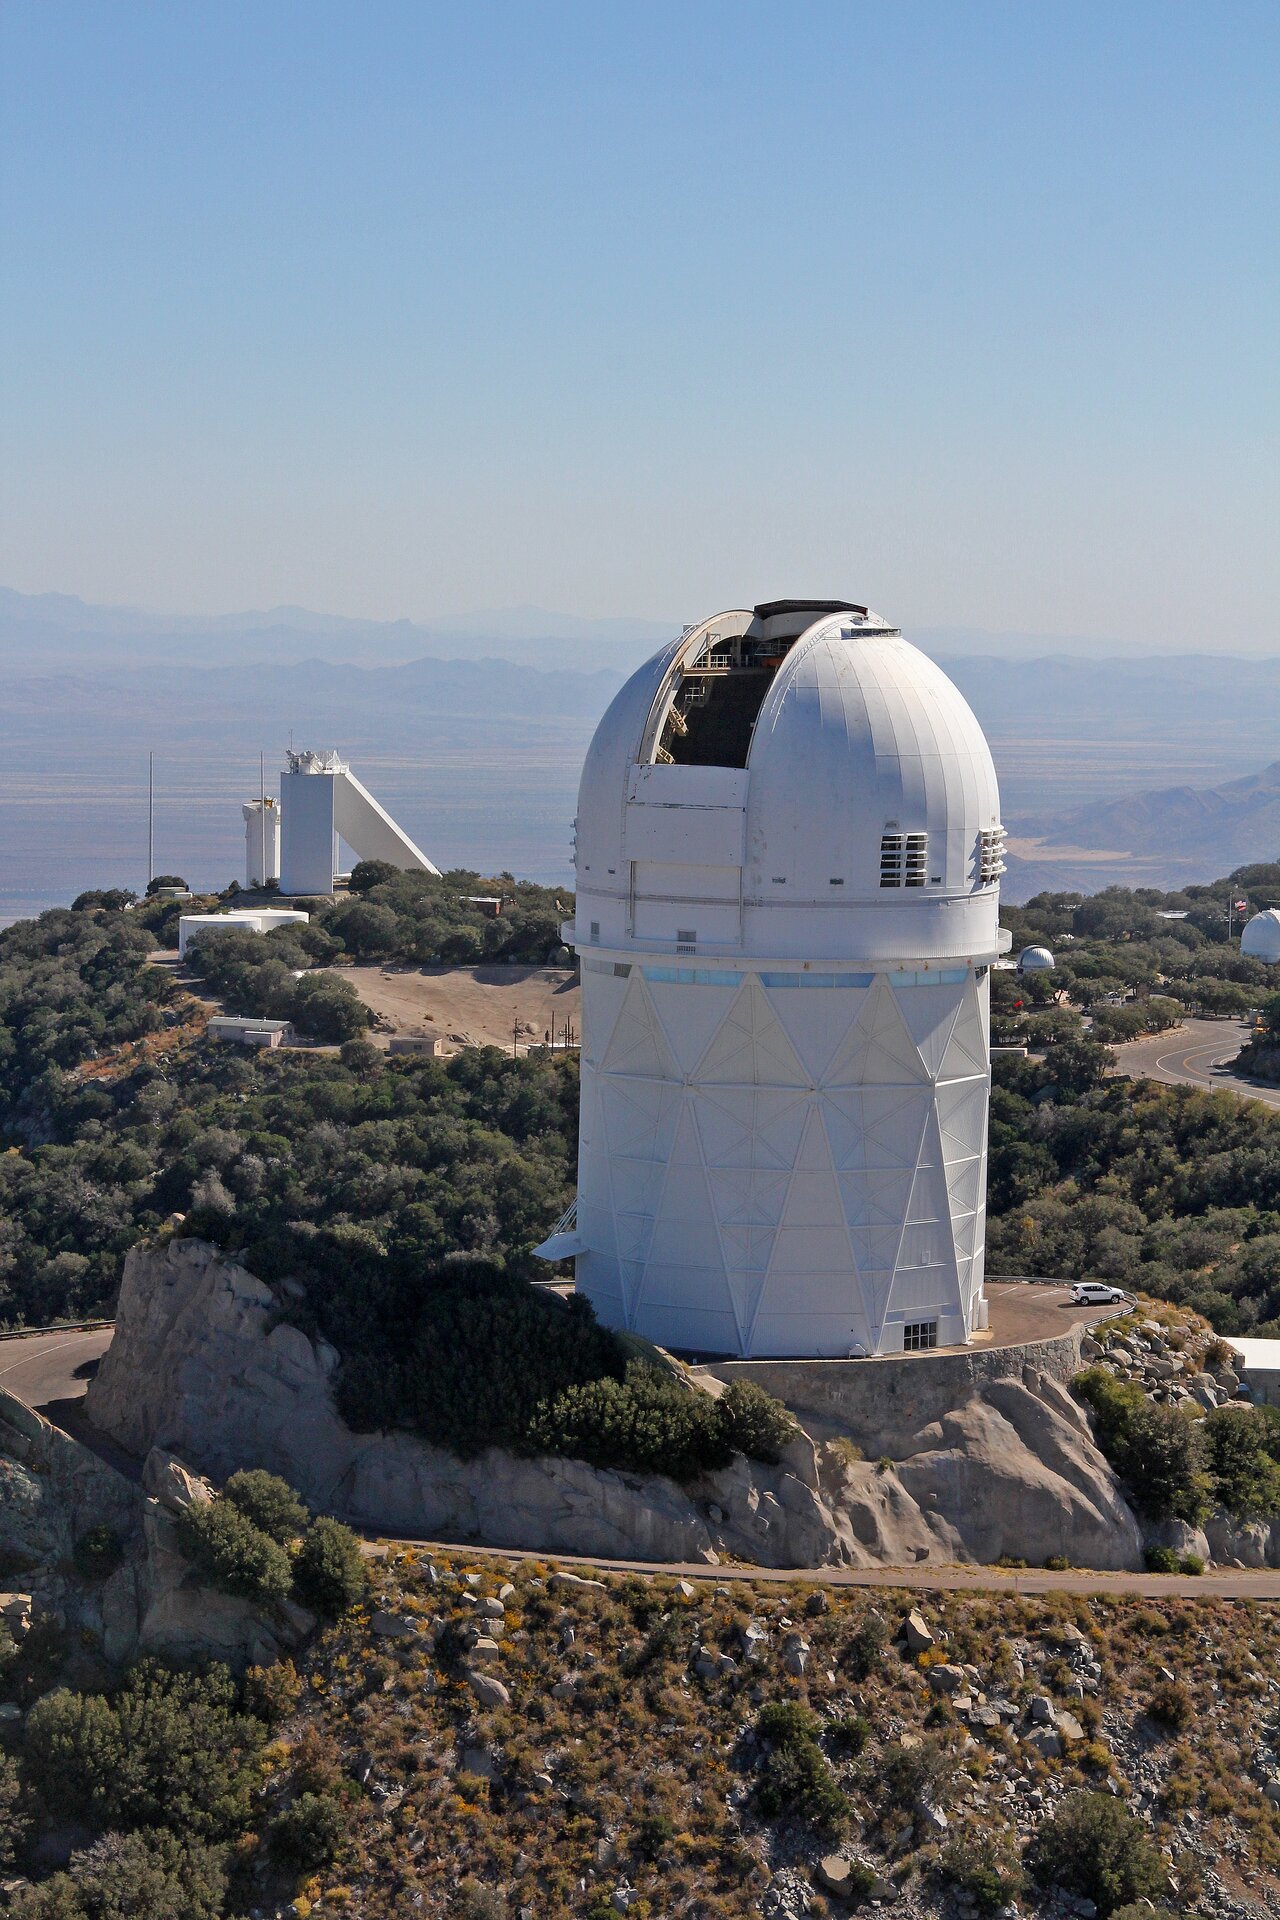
pixel 151 818
pixel 262 816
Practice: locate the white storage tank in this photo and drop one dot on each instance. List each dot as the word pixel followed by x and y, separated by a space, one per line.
pixel 788 857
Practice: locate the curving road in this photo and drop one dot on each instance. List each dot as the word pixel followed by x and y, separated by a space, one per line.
pixel 1196 1054
pixel 48 1369
pixel 51 1371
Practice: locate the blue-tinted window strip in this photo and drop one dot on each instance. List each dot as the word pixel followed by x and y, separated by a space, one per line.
pixel 716 977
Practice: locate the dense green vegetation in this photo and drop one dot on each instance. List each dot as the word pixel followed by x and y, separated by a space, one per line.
pixel 1178 1464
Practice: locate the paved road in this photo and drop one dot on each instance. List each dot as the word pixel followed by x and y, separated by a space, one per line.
pixel 1196 1054
pixel 42 1368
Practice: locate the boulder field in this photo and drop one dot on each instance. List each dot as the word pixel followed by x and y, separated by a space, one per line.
pixel 204 1366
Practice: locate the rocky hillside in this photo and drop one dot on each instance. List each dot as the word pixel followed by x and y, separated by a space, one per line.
pixel 533 1745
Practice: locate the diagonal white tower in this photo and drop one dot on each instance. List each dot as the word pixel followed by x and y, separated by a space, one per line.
pixel 788 853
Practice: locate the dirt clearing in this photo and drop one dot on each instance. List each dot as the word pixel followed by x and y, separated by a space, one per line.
pixel 469 1006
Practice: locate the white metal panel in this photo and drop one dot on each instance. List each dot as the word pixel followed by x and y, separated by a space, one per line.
pixel 306 832
pixel 707 836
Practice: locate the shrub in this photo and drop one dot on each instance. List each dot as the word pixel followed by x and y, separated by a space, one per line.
pixel 796 1778
pixel 912 1775
pixel 784 1721
pixel 648 1422
pixel 1192 1563
pixel 168 1750
pixel 147 1875
pixel 269 1502
pixel 98 1553
pixel 983 1866
pixel 864 1649
pixel 234 1554
pixel 1092 1846
pixel 653 1836
pixel 1160 1560
pixel 1170 1705
pixel 1246 1480
pixel 754 1422
pixel 849 1733
pixel 329 1570
pixel 308 1831
pixel 272 1693
pixel 13 1823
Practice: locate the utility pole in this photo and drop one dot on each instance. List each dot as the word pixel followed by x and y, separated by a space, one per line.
pixel 515 1036
pixel 151 818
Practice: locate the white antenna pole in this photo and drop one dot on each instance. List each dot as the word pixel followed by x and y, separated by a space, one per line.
pixel 151 818
pixel 262 815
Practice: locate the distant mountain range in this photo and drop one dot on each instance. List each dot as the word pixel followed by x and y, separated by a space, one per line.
pixel 473 732
pixel 1221 826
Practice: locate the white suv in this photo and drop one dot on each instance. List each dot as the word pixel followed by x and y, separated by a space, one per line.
pixel 1094 1293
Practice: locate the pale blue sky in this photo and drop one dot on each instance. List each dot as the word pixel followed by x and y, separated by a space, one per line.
pixel 404 309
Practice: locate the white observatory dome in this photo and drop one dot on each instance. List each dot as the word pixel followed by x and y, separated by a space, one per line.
pixel 1035 960
pixel 1261 936
pixel 788 855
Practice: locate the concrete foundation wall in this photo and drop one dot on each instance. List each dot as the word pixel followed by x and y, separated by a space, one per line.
pixel 882 1403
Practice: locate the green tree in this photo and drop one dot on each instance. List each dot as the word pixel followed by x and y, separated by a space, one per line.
pixel 269 1502
pixel 1092 1846
pixel 147 1875
pixel 168 1750
pixel 233 1553
pixel 329 1569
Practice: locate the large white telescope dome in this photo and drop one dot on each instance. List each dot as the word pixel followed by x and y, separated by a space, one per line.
pixel 788 853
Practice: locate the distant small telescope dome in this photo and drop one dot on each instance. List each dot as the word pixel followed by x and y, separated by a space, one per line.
pixel 1035 960
pixel 1261 936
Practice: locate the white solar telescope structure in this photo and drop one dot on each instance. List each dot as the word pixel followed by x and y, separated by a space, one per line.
pixel 788 852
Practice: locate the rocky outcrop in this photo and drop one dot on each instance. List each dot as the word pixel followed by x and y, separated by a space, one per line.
pixel 56 1496
pixel 202 1367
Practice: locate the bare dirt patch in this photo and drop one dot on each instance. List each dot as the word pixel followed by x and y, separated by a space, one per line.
pixel 469 1006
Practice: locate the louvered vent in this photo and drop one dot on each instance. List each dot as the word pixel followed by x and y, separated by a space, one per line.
pixel 990 855
pixel 904 859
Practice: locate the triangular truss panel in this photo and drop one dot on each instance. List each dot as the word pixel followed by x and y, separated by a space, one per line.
pixel 751 1047
pixel 929 1014
pixel 690 1017
pixel 817 1021
pixel 879 1050
pixel 637 1046
pixel 968 1048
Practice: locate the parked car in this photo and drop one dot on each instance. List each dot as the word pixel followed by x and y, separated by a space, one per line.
pixel 1093 1293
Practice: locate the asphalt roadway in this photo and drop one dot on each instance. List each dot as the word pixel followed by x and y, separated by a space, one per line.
pixel 1196 1054
pixel 51 1372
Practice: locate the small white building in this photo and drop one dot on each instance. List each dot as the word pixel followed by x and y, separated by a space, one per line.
pixel 247 919
pixel 1260 1370
pixel 428 1044
pixel 250 1030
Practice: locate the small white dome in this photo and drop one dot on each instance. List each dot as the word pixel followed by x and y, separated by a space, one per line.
pixel 1261 936
pixel 1035 960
